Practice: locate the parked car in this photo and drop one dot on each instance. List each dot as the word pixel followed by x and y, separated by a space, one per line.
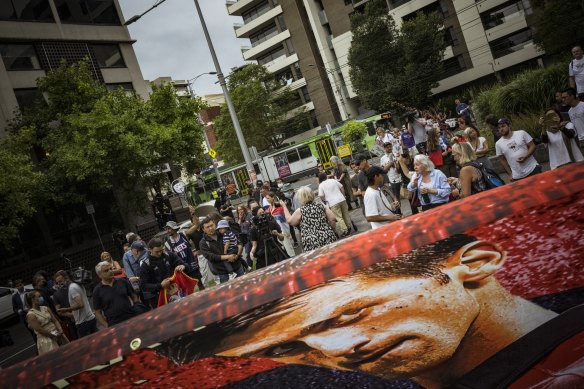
pixel 6 312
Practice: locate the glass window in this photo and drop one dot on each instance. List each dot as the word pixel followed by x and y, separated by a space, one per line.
pixel 87 11
pixel 28 98
pixel 450 37
pixel 511 43
pixel 297 71
pixel 256 12
pixel 127 86
pixel 263 35
pixel 109 56
pixel 453 66
pixel 285 77
pixel 503 13
pixel 305 95
pixel 304 151
pixel 289 47
pixel 282 23
pixel 19 56
pixel 292 156
pixel 313 119
pixel 29 10
pixel 279 52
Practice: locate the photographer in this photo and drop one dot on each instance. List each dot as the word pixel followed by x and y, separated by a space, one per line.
pixel 265 250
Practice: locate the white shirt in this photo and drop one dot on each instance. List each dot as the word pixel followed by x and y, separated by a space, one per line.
pixel 331 191
pixel 513 148
pixel 576 70
pixel 481 144
pixel 84 314
pixel 376 204
pixel 392 173
pixel 557 149
pixel 419 131
pixel 577 118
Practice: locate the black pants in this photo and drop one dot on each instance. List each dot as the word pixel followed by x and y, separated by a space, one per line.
pixel 86 328
pixel 430 206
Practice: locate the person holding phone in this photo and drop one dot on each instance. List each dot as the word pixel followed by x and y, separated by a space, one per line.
pixel 277 213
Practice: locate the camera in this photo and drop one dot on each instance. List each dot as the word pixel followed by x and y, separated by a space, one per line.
pixel 262 222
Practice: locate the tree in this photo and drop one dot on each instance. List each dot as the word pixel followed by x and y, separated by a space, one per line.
pixel 559 27
pixel 88 141
pixel 388 65
pixel 263 107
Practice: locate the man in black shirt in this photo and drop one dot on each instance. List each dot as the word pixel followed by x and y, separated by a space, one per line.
pixel 156 270
pixel 113 298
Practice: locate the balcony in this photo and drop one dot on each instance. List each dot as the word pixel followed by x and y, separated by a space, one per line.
pixel 280 63
pixel 510 24
pixel 237 8
pixel 265 46
pixel 249 28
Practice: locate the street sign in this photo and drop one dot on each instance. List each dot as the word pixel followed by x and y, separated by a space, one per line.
pixel 344 150
pixel 212 153
pixel 89 208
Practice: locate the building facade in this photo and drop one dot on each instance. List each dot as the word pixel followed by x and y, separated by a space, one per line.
pixel 36 35
pixel 484 37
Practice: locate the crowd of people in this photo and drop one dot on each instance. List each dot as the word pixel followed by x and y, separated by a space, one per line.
pixel 426 161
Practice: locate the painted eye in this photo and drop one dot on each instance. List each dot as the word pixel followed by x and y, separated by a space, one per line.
pixel 286 349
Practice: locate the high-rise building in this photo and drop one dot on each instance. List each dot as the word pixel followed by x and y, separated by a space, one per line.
pixel 306 42
pixel 281 37
pixel 36 35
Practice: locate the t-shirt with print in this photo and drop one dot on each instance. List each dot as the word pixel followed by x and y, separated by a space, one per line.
pixel 577 118
pixel 84 314
pixel 408 140
pixel 576 70
pixel 513 148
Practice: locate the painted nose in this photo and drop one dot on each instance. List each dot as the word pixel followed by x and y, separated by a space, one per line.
pixel 337 343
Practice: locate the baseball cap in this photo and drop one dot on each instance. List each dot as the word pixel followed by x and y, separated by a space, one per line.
pixel 138 245
pixel 172 224
pixel 504 121
pixel 223 224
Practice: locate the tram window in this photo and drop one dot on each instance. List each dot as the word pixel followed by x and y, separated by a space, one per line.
pixel 292 156
pixel 304 152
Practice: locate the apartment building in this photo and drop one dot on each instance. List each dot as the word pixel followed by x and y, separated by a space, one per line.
pixel 484 37
pixel 281 37
pixel 35 35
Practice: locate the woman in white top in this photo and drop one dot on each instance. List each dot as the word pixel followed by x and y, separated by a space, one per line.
pixel 558 135
pixel 479 145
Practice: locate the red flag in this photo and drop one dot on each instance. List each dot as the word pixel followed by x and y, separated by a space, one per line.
pixel 181 285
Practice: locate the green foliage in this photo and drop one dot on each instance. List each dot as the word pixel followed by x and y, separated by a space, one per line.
pixel 528 122
pixel 354 131
pixel 559 27
pixel 89 141
pixel 20 186
pixel 262 108
pixel 530 92
pixel 389 65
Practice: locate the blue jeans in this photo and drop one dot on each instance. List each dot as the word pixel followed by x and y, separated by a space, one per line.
pixel 223 278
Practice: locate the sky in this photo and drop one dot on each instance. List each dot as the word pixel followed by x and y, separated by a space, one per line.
pixel 170 40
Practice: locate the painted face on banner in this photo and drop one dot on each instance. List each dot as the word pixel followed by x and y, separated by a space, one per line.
pixel 392 327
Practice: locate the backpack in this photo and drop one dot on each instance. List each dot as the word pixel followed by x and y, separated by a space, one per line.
pixel 491 178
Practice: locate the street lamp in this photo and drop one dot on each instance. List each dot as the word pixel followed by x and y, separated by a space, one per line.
pixel 233 114
pixel 337 89
pixel 191 81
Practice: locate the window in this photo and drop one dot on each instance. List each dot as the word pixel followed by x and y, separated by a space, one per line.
pixel 127 86
pixel 28 98
pixel 263 35
pixel 305 95
pixel 285 77
pixel 501 14
pixel 453 66
pixel 450 37
pixel 19 56
pixel 313 119
pixel 87 11
pixel 108 56
pixel 292 156
pixel 279 52
pixel 440 7
pixel 26 10
pixel 304 151
pixel 289 47
pixel 297 71
pixel 511 43
pixel 256 12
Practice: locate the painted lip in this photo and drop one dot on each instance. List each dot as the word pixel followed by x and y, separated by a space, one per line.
pixel 355 361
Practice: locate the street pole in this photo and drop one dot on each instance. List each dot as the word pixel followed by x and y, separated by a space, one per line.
pixel 233 114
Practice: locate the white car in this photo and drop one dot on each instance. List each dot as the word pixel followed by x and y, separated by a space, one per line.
pixel 6 311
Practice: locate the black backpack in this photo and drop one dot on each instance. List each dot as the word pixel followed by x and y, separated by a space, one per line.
pixel 492 179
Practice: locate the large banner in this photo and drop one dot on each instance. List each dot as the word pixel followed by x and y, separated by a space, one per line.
pixel 486 292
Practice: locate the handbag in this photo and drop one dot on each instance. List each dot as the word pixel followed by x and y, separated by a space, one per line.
pixel 415 200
